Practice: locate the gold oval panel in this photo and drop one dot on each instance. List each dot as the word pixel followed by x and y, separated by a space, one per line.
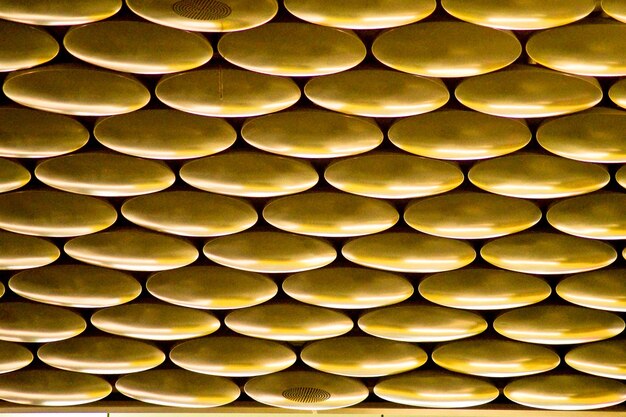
pixel 12 175
pixel 620 176
pixel 615 9
pixel 24 252
pixel 13 357
pixel 617 93
pixel 604 289
pixel 606 359
pixel 59 12
pixel 24 46
pixel 38 323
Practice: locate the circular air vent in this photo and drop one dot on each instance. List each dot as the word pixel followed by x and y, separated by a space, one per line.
pixel 306 395
pixel 202 9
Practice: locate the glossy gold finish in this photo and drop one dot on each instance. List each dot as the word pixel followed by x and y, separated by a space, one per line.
pixel 604 289
pixel 470 215
pixel 12 175
pixel 362 356
pixel 347 287
pixel 408 252
pixel 1 289
pixel 606 359
pixel 104 174
pixel 211 287
pixel 249 174
pixel 24 46
pixel 178 388
pixel 270 252
pixel 24 252
pixel 59 12
pixel 617 93
pixel 389 175
pixel 232 356
pixel 537 176
pixel 13 357
pixel 435 389
pixel 133 250
pixel 620 176
pixel 155 321
pixel 138 47
pixel 305 390
pixel 101 355
pixel 495 358
pixel 414 323
pixel 446 49
pixel 594 216
pixel 459 135
pixel 614 8
pixel 80 286
pixel 558 325
pixel 483 289
pixel 528 92
pixel 38 323
pixel 288 322
pixel 566 392
pixel 165 134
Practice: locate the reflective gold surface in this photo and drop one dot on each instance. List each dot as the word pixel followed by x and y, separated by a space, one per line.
pixel 13 357
pixel 59 12
pixel 606 359
pixel 614 8
pixel 38 323
pixel 604 289
pixel 23 252
pixel 617 93
pixel 24 46
pixel 558 325
pixel 12 175
pixel 620 176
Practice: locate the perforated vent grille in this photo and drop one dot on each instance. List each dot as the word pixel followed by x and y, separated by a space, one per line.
pixel 202 9
pixel 306 395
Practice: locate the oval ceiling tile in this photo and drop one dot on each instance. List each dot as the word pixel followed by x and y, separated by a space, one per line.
pixel 527 92
pixel 23 252
pixel 206 15
pixel 558 325
pixel 312 50
pixel 227 92
pixel 537 176
pixel 312 134
pixel 101 355
pixel 24 46
pixel 178 388
pixel 470 215
pixel 604 289
pixel 164 134
pixel 211 287
pixel 155 321
pixel 38 323
pixel 620 176
pixel 446 49
pixel 617 93
pixel 105 174
pixel 132 250
pixel 408 252
pixel 413 323
pixel 12 175
pixel 606 359
pixel 459 135
pixel 377 93
pixel 13 357
pixel 346 287
pixel 614 8
pixel 232 356
pixel 288 322
pixel 59 12
pixel 362 357
pixel 138 47
pixel 81 286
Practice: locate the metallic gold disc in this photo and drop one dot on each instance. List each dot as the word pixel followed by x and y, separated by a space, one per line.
pixel 604 289
pixel 58 12
pixel 393 175
pixel 614 8
pixel 249 174
pixel 76 90
pixel 270 252
pixel 232 356
pixel 12 175
pixel 13 357
pixel 470 215
pixel 23 252
pixel 26 133
pixel 206 15
pixel 312 50
pixel 76 285
pixel 558 325
pixel 105 174
pixel 566 392
pixel 362 356
pixel 446 49
pixel 211 287
pixel 329 214
pixel 190 213
pixel 435 389
pixel 519 14
pixel 1 289
pixel 306 390
pixel 377 93
pixel 288 322
pixel 227 92
pixel 620 176
pixel 459 135
pixel 49 387
pixel 606 359
pixel 408 252
pixel 483 289
pixel 155 321
pixel 38 323
pixel 164 134
pixel 24 46
pixel 101 355
pixel 528 92
pixel 355 14
pixel 347 287
pixel 138 47
pixel 537 176
pixel 178 388
pixel 495 358
pixel 413 323
pixel 312 134
pixel 617 93
pixel 547 253
pixel 133 250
